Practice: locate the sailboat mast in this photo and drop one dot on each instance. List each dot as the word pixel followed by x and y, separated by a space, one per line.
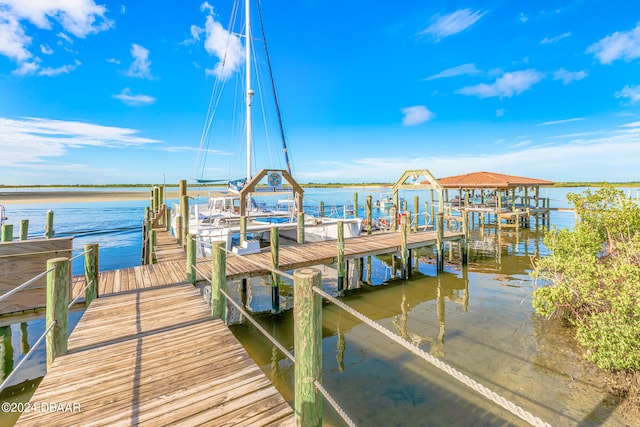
pixel 249 93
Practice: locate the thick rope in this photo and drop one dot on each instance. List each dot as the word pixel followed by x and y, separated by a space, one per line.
pixel 82 291
pixel 6 381
pixel 474 385
pixel 253 322
pixel 334 404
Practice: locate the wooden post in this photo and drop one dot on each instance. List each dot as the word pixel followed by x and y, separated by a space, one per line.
pixel 184 210
pixel 355 205
pixel 152 246
pixel 426 213
pixel 57 307
pixel 167 218
pixel 301 228
pixel 409 218
pixel 307 314
pixel 48 228
pixel 191 258
pixel 416 213
pixel 405 229
pixel 275 264
pixel 179 229
pixel 218 280
pixel 91 272
pixel 7 233
pixel 182 186
pixel 24 229
pixel 321 210
pixel 439 239
pixel 368 213
pixel 394 218
pixel 243 229
pixel 340 259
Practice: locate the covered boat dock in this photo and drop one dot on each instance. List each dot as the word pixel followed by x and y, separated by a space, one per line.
pixel 504 200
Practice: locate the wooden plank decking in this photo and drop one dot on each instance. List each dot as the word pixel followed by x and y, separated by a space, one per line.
pixel 156 357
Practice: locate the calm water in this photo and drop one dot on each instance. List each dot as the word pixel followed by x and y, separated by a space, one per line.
pixel 477 319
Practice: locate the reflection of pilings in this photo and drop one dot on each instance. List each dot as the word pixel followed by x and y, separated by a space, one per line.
pixel 465 297
pixel 7 351
pixel 24 338
pixel 440 311
pixel 340 347
pixel 369 266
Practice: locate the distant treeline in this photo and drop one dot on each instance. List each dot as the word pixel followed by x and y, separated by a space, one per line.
pixel 308 185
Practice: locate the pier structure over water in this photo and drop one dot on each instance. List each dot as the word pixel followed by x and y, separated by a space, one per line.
pixel 495 198
pixel 149 351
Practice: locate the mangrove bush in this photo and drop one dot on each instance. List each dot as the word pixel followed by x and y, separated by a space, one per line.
pixel 592 278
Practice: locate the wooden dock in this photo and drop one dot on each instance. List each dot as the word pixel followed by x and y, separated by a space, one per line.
pixel 147 351
pixel 155 357
pixel 171 264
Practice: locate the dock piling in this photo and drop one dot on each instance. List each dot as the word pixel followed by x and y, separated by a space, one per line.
pixel 57 310
pixel 7 233
pixel 24 229
pixel 91 272
pixel 307 313
pixel 191 258
pixel 48 228
pixel 218 280
pixel 275 264
pixel 340 258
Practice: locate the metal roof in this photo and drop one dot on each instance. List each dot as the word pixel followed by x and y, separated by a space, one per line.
pixel 490 180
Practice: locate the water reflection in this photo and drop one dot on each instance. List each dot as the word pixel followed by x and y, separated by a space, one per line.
pixel 478 319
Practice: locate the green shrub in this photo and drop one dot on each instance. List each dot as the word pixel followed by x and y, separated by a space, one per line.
pixel 592 278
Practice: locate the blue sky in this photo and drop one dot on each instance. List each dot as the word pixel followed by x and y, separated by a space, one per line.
pixel 118 92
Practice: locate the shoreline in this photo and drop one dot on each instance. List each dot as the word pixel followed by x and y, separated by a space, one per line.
pixel 57 196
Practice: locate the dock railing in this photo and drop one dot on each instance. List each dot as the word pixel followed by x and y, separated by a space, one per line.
pixel 58 274
pixel 307 312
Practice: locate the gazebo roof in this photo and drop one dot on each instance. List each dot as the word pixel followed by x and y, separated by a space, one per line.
pixel 490 180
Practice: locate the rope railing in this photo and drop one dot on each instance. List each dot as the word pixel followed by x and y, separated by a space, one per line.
pixel 39 276
pixel 474 385
pixel 26 356
pixel 334 404
pixel 25 284
pixel 80 294
pixel 247 316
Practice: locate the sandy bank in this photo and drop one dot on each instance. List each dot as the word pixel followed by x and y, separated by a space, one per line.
pixel 53 196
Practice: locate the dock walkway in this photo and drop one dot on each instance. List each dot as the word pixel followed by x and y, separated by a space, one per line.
pixel 156 357
pixel 147 351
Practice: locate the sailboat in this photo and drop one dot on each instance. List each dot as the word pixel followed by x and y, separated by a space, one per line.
pixel 231 216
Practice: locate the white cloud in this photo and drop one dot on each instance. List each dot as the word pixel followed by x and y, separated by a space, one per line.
pixel 33 140
pixel 500 112
pixel 523 18
pixel 13 40
pixel 113 61
pixel 556 39
pixel 460 70
pixel 416 115
pixel 77 17
pixel 65 37
pixel 559 122
pixel 46 50
pixel 452 23
pixel 569 76
pixel 65 69
pixel 609 157
pixel 506 86
pixel 619 45
pixel 134 100
pixel 141 66
pixel 223 45
pixel 26 68
pixel 631 92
